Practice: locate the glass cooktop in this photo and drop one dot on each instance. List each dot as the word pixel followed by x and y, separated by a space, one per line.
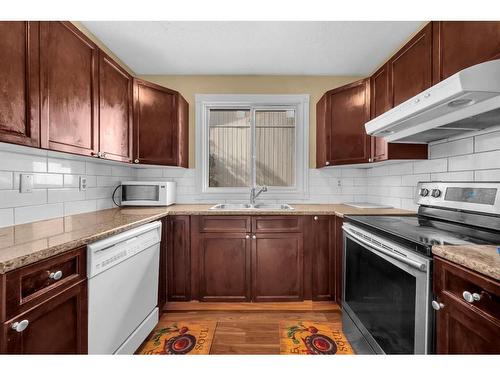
pixel 425 232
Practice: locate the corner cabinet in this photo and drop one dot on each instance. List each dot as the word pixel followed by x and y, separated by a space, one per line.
pixel 19 85
pixel 160 125
pixel 464 327
pixel 69 89
pixel 340 133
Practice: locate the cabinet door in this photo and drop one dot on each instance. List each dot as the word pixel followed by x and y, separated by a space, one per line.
pixel 224 269
pixel 322 254
pixel 460 44
pixel 155 124
pixel 69 90
pixel 57 326
pixel 179 258
pixel 19 88
pixel 277 267
pixel 380 103
pixel 462 329
pixel 411 67
pixel 115 110
pixel 348 110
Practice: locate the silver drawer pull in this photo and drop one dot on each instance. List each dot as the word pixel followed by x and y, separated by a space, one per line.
pixel 471 297
pixel 55 275
pixel 20 326
pixel 437 305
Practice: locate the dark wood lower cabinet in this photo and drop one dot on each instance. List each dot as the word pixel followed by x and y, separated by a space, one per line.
pixel 338 259
pixel 179 258
pixel 322 257
pixel 224 267
pixel 277 267
pixel 463 327
pixel 57 326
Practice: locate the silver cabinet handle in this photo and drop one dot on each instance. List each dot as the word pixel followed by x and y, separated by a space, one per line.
pixel 437 305
pixel 20 326
pixel 471 297
pixel 315 218
pixel 136 161
pixel 327 163
pixel 55 275
pixel 254 236
pixel 247 236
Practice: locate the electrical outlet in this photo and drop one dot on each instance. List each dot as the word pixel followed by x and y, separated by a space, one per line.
pixel 26 183
pixel 83 183
pixel 339 183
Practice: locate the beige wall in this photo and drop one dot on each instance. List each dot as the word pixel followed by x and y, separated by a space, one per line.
pixel 189 86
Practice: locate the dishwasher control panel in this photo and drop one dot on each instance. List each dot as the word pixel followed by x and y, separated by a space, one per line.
pixel 106 253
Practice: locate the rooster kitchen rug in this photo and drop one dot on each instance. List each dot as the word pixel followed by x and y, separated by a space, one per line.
pixel 180 338
pixel 302 337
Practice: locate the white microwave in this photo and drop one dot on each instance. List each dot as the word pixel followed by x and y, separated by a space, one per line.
pixel 147 193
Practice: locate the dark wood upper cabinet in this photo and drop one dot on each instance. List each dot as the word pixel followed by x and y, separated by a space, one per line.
pixel 460 44
pixel 160 120
pixel 411 67
pixel 57 326
pixel 69 89
pixel 179 258
pixel 224 267
pixel 381 94
pixel 341 117
pixel 115 110
pixel 19 84
pixel 463 327
pixel 322 257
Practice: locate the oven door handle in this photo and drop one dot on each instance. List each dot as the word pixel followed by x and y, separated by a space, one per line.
pixel 413 263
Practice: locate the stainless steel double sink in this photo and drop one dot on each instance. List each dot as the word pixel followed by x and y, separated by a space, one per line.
pixel 250 207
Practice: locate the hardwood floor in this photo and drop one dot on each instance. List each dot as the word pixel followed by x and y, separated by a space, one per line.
pixel 250 328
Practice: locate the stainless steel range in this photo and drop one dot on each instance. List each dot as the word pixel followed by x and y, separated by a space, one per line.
pixel 387 288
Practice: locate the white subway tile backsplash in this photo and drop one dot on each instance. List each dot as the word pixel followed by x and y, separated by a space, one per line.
pixel 453 176
pixel 6 180
pixel 34 213
pixel 433 165
pixel 482 160
pixel 41 180
pixel 149 172
pixel 487 175
pixel 401 169
pixel 65 195
pixel 99 192
pixel 13 161
pixel 79 207
pixel 487 142
pixel 414 179
pixel 6 217
pixel 109 180
pixel 453 148
pixel 13 198
pixel 97 169
pixel 68 166
pixel 73 180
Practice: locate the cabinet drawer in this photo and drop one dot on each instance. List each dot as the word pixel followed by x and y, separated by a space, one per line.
pixel 30 285
pixel 238 224
pixel 453 280
pixel 269 224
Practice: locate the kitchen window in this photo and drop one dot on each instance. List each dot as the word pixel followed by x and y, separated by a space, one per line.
pixel 252 140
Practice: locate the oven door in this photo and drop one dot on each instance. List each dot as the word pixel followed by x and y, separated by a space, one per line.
pixel 386 293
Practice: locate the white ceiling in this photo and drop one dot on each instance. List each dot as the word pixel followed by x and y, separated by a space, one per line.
pixel 253 47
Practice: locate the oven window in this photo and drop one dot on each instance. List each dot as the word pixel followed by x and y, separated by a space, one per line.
pixel 140 193
pixel 383 298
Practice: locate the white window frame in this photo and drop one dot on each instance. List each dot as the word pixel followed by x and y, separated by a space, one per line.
pixel 300 103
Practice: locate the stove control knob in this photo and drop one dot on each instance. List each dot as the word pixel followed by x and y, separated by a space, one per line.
pixel 436 193
pixel 424 192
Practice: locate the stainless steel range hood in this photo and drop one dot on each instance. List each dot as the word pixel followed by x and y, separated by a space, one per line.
pixel 467 101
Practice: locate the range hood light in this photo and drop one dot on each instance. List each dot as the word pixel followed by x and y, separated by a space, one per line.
pixel 460 103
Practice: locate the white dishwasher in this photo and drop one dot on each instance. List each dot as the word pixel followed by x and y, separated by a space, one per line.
pixel 123 289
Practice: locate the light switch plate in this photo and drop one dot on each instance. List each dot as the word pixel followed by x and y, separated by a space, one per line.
pixel 83 183
pixel 26 183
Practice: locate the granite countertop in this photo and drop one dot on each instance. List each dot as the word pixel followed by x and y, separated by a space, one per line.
pixel 483 259
pixel 28 243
